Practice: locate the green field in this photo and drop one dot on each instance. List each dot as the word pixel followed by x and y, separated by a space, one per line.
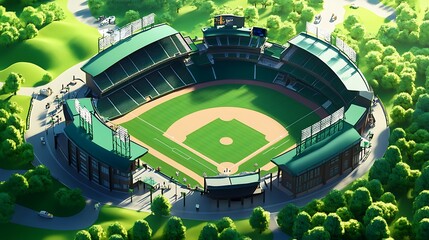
pixel 56 48
pixel 150 126
pixel 206 140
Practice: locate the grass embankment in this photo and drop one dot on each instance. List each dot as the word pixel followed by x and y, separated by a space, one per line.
pixel 109 215
pixel 57 47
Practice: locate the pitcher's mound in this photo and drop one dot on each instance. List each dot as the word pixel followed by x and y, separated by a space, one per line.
pixel 226 141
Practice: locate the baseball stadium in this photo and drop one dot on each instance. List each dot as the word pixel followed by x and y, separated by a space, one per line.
pixel 225 109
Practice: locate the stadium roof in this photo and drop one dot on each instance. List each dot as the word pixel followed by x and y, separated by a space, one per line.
pixel 343 67
pixel 354 114
pixel 115 53
pixel 219 181
pixel 216 31
pixel 101 145
pixel 318 153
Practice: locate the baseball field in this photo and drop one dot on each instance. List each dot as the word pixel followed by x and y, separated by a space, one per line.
pixel 221 127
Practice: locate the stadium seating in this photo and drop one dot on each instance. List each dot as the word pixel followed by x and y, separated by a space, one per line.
pixel 182 73
pixel 168 45
pixel 141 59
pixel 106 109
pixel 177 40
pixel 265 74
pixel 143 86
pixel 229 69
pixel 160 84
pixel 155 52
pixel 170 76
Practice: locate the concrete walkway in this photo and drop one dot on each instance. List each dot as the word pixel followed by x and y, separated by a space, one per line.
pixel 275 199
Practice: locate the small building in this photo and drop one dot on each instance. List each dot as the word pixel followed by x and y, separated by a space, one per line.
pixel 95 150
pixel 317 164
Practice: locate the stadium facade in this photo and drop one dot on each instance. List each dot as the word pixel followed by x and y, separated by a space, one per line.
pixel 159 60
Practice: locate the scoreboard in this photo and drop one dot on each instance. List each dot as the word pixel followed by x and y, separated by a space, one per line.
pixel 228 20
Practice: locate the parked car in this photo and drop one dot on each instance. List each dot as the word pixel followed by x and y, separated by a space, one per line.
pixel 46 214
pixel 111 19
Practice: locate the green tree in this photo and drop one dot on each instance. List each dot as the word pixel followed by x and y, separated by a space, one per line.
pixel 208 6
pixel 318 219
pixel 377 229
pixel 422 229
pixel 380 170
pixel 286 217
pixel 274 22
pixel 353 230
pixel 254 2
pixel 333 200
pixel 160 206
pixel 373 59
pixel 360 201
pixel 401 116
pixel 141 230
pixel 372 212
pixel 421 200
pixel 251 15
pixel 301 225
pixel 82 235
pixel 388 33
pixel 344 213
pixel 318 233
pixel 175 230
pixel 116 237
pixel 390 80
pixel 316 205
pixel 402 229
pixel 357 32
pixel 117 228
pixel 424 33
pixel 97 232
pixel 374 45
pixel 350 21
pixel 13 83
pixel 307 14
pixel 16 185
pixel 403 99
pixel 7 207
pixel 209 232
pixel 420 214
pixel 225 222
pixel 260 219
pixel 131 16
pixel 229 234
pixel 379 71
pixel 400 179
pixel 70 198
pixel 375 188
pixel 334 226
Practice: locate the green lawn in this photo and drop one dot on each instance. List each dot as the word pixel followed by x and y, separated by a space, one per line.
pixel 22 101
pixel 57 47
pixel 150 126
pixel 206 140
pixel 367 18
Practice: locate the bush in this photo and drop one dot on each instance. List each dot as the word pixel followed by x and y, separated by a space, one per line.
pixel 161 206
pixel 70 198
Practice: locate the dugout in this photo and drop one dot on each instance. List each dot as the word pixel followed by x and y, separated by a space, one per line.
pixel 232 187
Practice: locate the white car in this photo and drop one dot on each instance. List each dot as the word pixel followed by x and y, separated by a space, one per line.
pixel 46 214
pixel 354 6
pixel 111 19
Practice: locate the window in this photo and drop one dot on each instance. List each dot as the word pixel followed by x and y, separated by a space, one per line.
pixel 104 170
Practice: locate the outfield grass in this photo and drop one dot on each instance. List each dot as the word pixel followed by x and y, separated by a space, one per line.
pixel 150 126
pixel 57 47
pixel 206 140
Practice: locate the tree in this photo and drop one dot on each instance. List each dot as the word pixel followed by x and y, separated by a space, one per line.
pixel 420 214
pixel 422 182
pixel 390 80
pixel 209 232
pixel 274 22
pixel 401 229
pixel 225 222
pixel 131 16
pixel 301 225
pixel 353 230
pixel 141 230
pixel 229 234
pixel 286 217
pixel 401 116
pixel 318 233
pixel 318 219
pixel 7 207
pixel 260 219
pixel 400 179
pixel 16 185
pixel 208 6
pixel 344 213
pixel 377 229
pixel 333 200
pixel 372 212
pixel 357 32
pixel 39 179
pixel 116 237
pixel 283 6
pixel 388 33
pixel 160 206
pixel 424 33
pixel 388 197
pixel 334 226
pixel 350 21
pixel 251 15
pixel 307 14
pixel 288 29
pixel 70 198
pixel 30 31
pixel 360 201
pixel 380 170
pixel 175 230
pixel 96 232
pixel 375 188
pixel 373 59
pixel 379 71
pixel 403 99
pixel 421 200
pixel 422 229
pixel 254 2
pixel 82 235
pixel 117 228
pixel 13 83
pixel 374 45
pixel 316 205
